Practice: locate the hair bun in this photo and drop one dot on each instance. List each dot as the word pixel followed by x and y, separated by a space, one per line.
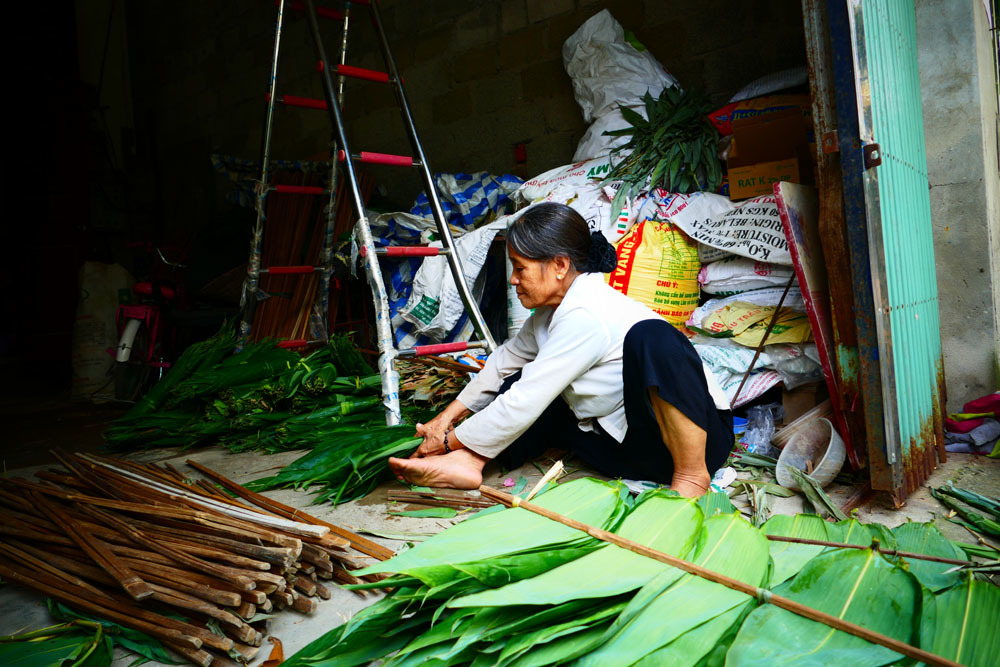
pixel 601 258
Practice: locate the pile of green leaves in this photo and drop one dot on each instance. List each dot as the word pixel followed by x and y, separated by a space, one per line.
pixel 675 147
pixel 509 587
pixel 269 399
pixel 262 397
pixel 988 524
pixel 347 462
pixel 80 641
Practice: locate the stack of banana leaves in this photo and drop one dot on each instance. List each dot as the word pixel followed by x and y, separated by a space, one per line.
pixel 270 399
pixel 511 587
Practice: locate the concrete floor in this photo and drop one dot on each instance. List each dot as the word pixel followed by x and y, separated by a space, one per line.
pixel 23 610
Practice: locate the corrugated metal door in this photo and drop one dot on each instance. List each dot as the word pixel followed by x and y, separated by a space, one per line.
pixel 900 243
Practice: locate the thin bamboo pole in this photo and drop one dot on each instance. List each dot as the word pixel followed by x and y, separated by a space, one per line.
pixel 761 594
pixel 887 552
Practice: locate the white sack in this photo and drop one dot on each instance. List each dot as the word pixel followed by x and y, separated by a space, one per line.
pixel 608 72
pixel 435 306
pixel 751 228
pixel 741 274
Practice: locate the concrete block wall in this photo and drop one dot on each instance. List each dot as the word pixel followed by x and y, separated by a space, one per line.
pixel 960 127
pixel 481 76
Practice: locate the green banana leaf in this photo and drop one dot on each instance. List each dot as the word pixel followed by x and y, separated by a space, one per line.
pixel 962 624
pixel 676 603
pixel 692 647
pixel 790 557
pixel 515 543
pixel 666 523
pixel 858 585
pixel 925 538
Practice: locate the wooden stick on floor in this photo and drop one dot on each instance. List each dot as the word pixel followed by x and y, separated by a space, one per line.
pixel 761 594
pixel 97 550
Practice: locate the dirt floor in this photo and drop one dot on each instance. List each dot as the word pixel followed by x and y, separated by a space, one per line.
pixel 35 423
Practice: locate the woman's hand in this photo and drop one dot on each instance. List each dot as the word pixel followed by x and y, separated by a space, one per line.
pixel 433 432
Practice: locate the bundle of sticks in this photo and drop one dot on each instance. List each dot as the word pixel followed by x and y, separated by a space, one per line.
pixel 144 546
pixel 293 235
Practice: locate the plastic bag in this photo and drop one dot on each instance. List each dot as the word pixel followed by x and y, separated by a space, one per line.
pixel 760 429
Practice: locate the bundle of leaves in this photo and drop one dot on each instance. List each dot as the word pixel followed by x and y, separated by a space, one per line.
pixel 510 587
pixel 346 462
pixel 675 147
pixel 987 524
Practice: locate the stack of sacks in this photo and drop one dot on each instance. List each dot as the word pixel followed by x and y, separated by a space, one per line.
pixel 745 263
pixel 578 185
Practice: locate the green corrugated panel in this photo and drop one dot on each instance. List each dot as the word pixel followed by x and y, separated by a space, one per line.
pixel 911 286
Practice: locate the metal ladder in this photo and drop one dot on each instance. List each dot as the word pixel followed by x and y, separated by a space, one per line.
pixel 341 156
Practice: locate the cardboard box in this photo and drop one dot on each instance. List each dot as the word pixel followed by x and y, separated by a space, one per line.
pixel 767 149
pixel 759 179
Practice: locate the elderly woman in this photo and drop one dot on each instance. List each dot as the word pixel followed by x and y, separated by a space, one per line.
pixel 591 371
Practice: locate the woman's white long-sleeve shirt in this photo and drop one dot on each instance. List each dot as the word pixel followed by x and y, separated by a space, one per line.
pixel 574 351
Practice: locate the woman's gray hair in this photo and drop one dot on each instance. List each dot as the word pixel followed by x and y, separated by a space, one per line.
pixel 550 230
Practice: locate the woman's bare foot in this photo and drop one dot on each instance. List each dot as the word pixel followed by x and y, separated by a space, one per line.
pixel 691 485
pixel 461 469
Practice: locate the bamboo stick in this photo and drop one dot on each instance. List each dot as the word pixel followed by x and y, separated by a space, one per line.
pixel 97 550
pixel 257 556
pixel 19 554
pixel 761 594
pixel 165 594
pixel 294 527
pixel 220 522
pixel 363 545
pixel 322 591
pixel 888 552
pixel 246 611
pixel 306 605
pixel 116 538
pixel 180 600
pixel 306 586
pixel 129 621
pixel 198 657
pixel 240 580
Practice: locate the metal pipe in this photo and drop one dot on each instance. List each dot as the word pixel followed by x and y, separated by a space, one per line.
pixel 432 196
pixel 248 300
pixel 387 349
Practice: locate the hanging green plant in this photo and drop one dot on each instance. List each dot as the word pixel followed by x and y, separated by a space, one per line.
pixel 675 149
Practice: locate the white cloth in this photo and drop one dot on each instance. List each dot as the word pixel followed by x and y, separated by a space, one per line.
pixel 573 351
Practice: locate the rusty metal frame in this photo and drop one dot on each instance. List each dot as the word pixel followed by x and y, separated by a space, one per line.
pixel 868 380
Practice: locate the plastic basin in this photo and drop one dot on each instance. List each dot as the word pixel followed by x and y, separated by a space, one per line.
pixel 818 442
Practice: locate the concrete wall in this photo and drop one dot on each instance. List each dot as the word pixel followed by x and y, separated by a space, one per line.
pixel 959 106
pixel 481 76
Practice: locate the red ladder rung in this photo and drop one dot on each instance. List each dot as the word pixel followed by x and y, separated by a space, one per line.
pixel 304 102
pixel 323 12
pixel 368 157
pixel 406 251
pixel 293 344
pixel 291 270
pixel 440 348
pixel 300 189
pixel 359 73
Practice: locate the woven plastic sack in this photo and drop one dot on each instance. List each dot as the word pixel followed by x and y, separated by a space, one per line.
pixel 658 266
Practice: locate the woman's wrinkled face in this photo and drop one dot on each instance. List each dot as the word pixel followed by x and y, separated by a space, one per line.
pixel 538 281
